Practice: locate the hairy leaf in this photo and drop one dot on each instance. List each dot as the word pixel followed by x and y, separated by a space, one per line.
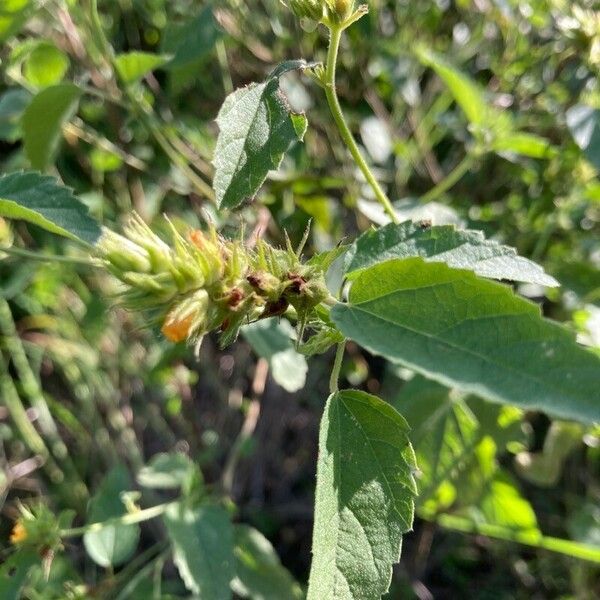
pixel 364 499
pixel 473 334
pixel 43 120
pixel 259 574
pixel 41 200
pixel 257 127
pixel 202 541
pixel 461 249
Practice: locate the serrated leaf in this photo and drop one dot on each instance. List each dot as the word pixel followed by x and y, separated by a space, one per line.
pixel 202 540
pixel 364 498
pixel 259 574
pixel 43 120
pixel 461 249
pixel 41 200
pixel 256 127
pixel 135 65
pixel 271 339
pixel 473 334
pixel 113 544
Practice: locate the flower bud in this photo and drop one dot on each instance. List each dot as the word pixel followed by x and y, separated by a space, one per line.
pixel 307 9
pixel 340 10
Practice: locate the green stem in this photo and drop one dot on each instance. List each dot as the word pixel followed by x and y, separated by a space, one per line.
pixel 337 367
pixel 338 116
pixel 533 539
pixel 18 413
pixel 128 519
pixel 450 180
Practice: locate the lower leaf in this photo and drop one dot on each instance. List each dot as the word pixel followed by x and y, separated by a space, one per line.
pixel 364 500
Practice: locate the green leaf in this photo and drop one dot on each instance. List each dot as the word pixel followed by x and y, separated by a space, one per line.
pixel 584 123
pixel 112 545
pixel 256 127
pixel 45 65
pixel 43 120
pixel 191 42
pixel 259 574
pixel 461 249
pixel 166 471
pixel 202 541
pixel 524 144
pixel 321 341
pixel 135 65
pixel 471 98
pixel 503 505
pixel 14 572
pixel 364 498
pixel 469 95
pixel 13 15
pixel 40 200
pixel 271 339
pixel 470 333
pixel 12 105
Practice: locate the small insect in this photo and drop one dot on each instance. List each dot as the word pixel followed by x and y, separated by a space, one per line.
pixel 425 224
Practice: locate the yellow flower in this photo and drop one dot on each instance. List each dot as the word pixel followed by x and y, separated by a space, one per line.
pixel 19 533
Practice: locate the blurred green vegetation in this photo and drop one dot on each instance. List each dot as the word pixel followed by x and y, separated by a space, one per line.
pixel 102 392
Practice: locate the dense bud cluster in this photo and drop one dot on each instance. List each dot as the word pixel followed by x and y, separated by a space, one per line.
pixel 202 282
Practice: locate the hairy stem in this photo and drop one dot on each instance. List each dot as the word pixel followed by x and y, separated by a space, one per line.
pixel 337 367
pixel 338 116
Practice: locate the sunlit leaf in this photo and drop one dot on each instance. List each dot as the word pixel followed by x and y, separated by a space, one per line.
pixel 135 65
pixel 259 574
pixel 257 127
pixel 473 334
pixel 364 498
pixel 113 544
pixel 43 120
pixel 202 540
pixel 461 249
pixel 41 200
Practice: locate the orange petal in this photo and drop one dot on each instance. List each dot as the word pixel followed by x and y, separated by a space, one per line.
pixel 177 331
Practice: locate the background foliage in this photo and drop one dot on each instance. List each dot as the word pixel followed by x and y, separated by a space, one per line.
pixel 479 113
